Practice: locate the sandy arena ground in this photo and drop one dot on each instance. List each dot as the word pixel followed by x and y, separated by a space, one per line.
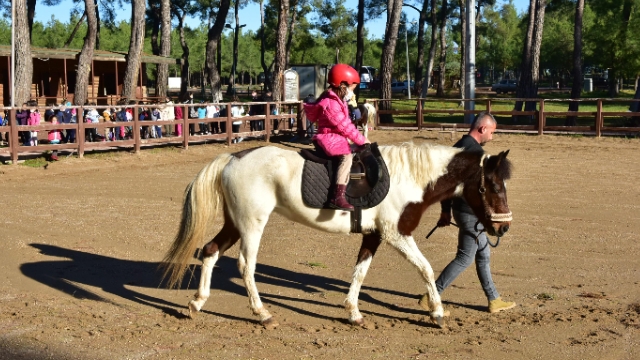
pixel 81 241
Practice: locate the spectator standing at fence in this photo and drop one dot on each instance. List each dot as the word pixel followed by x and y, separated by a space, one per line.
pixel 335 128
pixel 178 116
pixel 168 114
pixel 22 118
pixel 237 111
pixel 34 120
pixel 156 115
pixel 472 244
pixel 256 110
pixel 3 122
pixel 212 113
pixel 202 114
pixel 54 136
pixel 92 117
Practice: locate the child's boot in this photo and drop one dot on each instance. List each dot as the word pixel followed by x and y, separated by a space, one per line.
pixel 338 201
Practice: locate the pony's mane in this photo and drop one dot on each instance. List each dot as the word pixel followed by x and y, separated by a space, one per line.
pixel 425 162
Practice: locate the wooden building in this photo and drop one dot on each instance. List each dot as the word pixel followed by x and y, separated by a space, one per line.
pixel 54 75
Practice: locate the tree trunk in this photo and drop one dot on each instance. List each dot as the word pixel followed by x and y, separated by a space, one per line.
pixel 184 68
pixel 280 59
pixel 388 51
pixel 432 50
pixel 98 25
pixel 529 78
pixel 86 55
pixel 154 15
pixel 420 60
pixel 162 76
pixel 525 65
pixel 292 25
pixel 234 64
pixel 213 42
pixel 443 49
pixel 136 45
pixel 31 11
pixel 360 41
pixel 621 41
pixel 576 88
pixel 263 49
pixel 24 63
pixel 463 52
pixel 75 30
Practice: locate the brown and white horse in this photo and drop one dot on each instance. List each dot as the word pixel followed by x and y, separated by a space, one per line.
pixel 248 186
pixel 367 118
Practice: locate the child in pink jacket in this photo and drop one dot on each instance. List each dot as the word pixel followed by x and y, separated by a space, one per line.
pixel 335 128
pixel 34 120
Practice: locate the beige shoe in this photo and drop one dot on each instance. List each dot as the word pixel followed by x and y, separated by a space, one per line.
pixel 498 305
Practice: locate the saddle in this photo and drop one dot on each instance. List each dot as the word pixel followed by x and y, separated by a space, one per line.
pixel 368 182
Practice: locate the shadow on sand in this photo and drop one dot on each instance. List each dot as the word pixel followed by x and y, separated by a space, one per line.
pixel 75 270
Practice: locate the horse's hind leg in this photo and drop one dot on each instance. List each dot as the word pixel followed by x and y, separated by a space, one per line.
pixel 247 266
pixel 370 243
pixel 431 300
pixel 226 238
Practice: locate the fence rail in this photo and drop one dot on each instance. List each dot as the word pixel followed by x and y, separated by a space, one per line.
pixel 294 111
pixel 539 115
pixel 15 148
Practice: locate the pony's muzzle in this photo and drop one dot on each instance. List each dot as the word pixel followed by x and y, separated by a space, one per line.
pixel 499 229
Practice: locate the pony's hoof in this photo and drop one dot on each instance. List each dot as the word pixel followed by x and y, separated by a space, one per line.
pixel 193 310
pixel 270 323
pixel 358 322
pixel 438 320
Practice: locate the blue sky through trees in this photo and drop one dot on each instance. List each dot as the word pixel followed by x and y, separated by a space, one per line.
pixel 250 15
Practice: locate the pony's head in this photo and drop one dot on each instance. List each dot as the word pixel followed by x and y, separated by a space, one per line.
pixel 486 193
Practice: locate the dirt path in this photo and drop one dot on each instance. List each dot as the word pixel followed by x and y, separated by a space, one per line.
pixel 82 240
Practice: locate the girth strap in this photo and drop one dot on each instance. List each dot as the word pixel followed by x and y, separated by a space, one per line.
pixel 356 220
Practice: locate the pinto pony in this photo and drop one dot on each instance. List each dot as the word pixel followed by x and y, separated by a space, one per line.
pixel 367 120
pixel 249 185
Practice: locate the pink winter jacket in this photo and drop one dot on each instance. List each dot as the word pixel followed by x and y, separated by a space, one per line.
pixel 334 125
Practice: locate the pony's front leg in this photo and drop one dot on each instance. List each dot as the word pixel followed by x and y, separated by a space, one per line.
pixel 370 243
pixel 211 252
pixel 431 302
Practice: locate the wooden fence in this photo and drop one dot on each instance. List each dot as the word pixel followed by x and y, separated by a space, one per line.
pixel 537 119
pixel 289 111
pixel 293 113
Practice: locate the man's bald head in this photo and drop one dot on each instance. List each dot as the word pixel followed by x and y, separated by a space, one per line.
pixel 482 128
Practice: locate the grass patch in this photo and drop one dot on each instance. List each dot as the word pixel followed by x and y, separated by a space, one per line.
pixel 315 264
pixel 544 296
pixel 35 163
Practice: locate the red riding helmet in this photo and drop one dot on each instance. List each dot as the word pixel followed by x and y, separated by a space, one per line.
pixel 340 73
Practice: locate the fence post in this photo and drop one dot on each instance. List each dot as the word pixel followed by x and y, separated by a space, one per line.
pixel 185 127
pixel 302 124
pixel 80 138
pixel 488 106
pixel 377 119
pixel 541 118
pixel 599 119
pixel 13 136
pixel 267 122
pixel 229 124
pixel 136 130
pixel 419 116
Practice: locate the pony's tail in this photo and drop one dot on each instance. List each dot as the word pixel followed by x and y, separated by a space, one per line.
pixel 203 198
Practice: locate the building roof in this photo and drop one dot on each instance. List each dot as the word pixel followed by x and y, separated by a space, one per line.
pixel 98 55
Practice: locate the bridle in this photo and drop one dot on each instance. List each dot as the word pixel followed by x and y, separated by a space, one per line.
pixel 489 214
pixel 494 217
